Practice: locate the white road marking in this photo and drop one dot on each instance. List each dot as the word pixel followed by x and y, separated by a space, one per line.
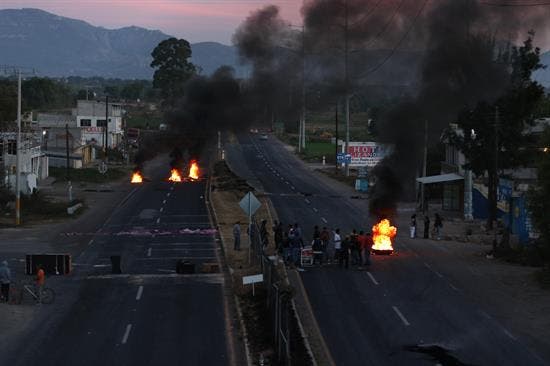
pixel 158 220
pixel 427 266
pixel 485 314
pixel 166 270
pixel 287 182
pixel 509 334
pixel 453 287
pixel 161 209
pixel 403 319
pixel 172 188
pixel 126 333
pixel 324 220
pixel 139 293
pixel 372 278
pixel 91 242
pixel 293 188
pixel 438 274
pixel 149 252
pixel 168 194
pixel 316 210
pixel 307 201
pixel 101 265
pixel 164 202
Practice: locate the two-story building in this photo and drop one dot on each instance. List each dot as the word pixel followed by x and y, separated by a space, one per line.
pixel 93 116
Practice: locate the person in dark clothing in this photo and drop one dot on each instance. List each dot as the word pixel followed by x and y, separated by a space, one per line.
pixel 237 236
pixel 5 280
pixel 426 227
pixel 438 224
pixel 317 246
pixel 343 258
pixel 325 237
pixel 278 236
pixel 354 248
pixel 263 233
pixel 316 232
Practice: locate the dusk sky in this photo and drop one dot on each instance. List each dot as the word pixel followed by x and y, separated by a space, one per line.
pixel 194 20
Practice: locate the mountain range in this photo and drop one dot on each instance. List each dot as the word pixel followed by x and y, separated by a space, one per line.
pixel 59 46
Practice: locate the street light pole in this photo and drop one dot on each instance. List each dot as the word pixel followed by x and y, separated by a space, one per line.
pixel 346 80
pixel 303 142
pixel 494 209
pixel 18 154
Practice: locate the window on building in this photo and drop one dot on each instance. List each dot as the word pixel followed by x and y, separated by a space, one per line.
pixel 12 147
pixel 101 123
pixel 85 123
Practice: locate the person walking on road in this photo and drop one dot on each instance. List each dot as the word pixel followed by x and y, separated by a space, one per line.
pixel 343 259
pixel 263 233
pixel 40 282
pixel 325 239
pixel 413 226
pixel 5 280
pixel 438 225
pixel 355 252
pixel 237 236
pixel 337 245
pixel 278 236
pixel 426 227
pixel 364 247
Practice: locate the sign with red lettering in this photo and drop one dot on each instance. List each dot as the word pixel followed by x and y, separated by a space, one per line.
pixel 367 154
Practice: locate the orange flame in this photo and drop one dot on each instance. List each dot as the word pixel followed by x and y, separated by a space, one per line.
pixel 136 178
pixel 194 170
pixel 382 235
pixel 174 176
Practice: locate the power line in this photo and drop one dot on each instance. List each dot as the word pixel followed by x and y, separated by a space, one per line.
pixel 511 4
pixel 394 49
pixel 385 27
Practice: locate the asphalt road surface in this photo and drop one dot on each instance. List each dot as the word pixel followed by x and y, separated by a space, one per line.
pixel 403 311
pixel 148 315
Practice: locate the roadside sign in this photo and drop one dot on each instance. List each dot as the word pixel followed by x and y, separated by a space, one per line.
pixel 102 167
pixel 342 158
pixel 250 204
pixel 247 280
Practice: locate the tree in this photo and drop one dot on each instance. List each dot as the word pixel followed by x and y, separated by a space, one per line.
pixel 45 93
pixel 493 135
pixel 8 101
pixel 539 196
pixel 170 58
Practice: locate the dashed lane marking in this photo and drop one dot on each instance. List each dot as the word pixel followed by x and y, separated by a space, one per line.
pixel 168 194
pixel 149 252
pixel 453 287
pixel 401 316
pixel 91 242
pixel 293 188
pixel 126 334
pixel 161 209
pixel 507 332
pixel 164 202
pixel 307 201
pixel 324 220
pixel 139 293
pixel 158 220
pixel 372 278
pixel 316 210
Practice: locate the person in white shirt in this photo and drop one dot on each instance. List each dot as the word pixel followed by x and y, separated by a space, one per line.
pixel 337 244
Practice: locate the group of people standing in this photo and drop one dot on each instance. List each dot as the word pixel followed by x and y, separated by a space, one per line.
pixel 437 226
pixel 329 246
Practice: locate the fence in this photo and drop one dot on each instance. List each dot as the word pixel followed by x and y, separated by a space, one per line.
pixel 278 302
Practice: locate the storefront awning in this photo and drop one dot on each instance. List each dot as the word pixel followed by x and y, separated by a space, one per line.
pixel 439 178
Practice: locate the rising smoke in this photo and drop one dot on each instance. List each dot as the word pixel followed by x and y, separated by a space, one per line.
pixel 460 43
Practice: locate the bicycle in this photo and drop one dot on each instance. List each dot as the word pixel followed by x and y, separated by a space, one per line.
pixel 47 294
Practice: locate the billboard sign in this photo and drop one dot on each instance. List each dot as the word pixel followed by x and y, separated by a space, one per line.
pixel 368 154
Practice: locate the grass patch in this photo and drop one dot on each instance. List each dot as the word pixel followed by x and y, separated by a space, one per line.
pixel 316 150
pixel 91 175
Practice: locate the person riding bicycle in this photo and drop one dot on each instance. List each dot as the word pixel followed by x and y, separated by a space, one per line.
pixel 40 282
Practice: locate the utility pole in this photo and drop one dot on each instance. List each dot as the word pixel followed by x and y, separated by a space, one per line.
pixel 336 128
pixel 494 206
pixel 106 124
pixel 424 167
pixel 69 185
pixel 303 142
pixel 346 79
pixel 18 155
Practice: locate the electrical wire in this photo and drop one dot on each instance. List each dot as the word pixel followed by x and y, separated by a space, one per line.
pixel 401 40
pixel 510 4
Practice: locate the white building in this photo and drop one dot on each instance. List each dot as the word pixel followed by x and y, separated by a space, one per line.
pixel 34 163
pixel 91 118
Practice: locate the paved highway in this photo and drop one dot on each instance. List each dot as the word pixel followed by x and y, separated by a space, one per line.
pixel 404 311
pixel 148 315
